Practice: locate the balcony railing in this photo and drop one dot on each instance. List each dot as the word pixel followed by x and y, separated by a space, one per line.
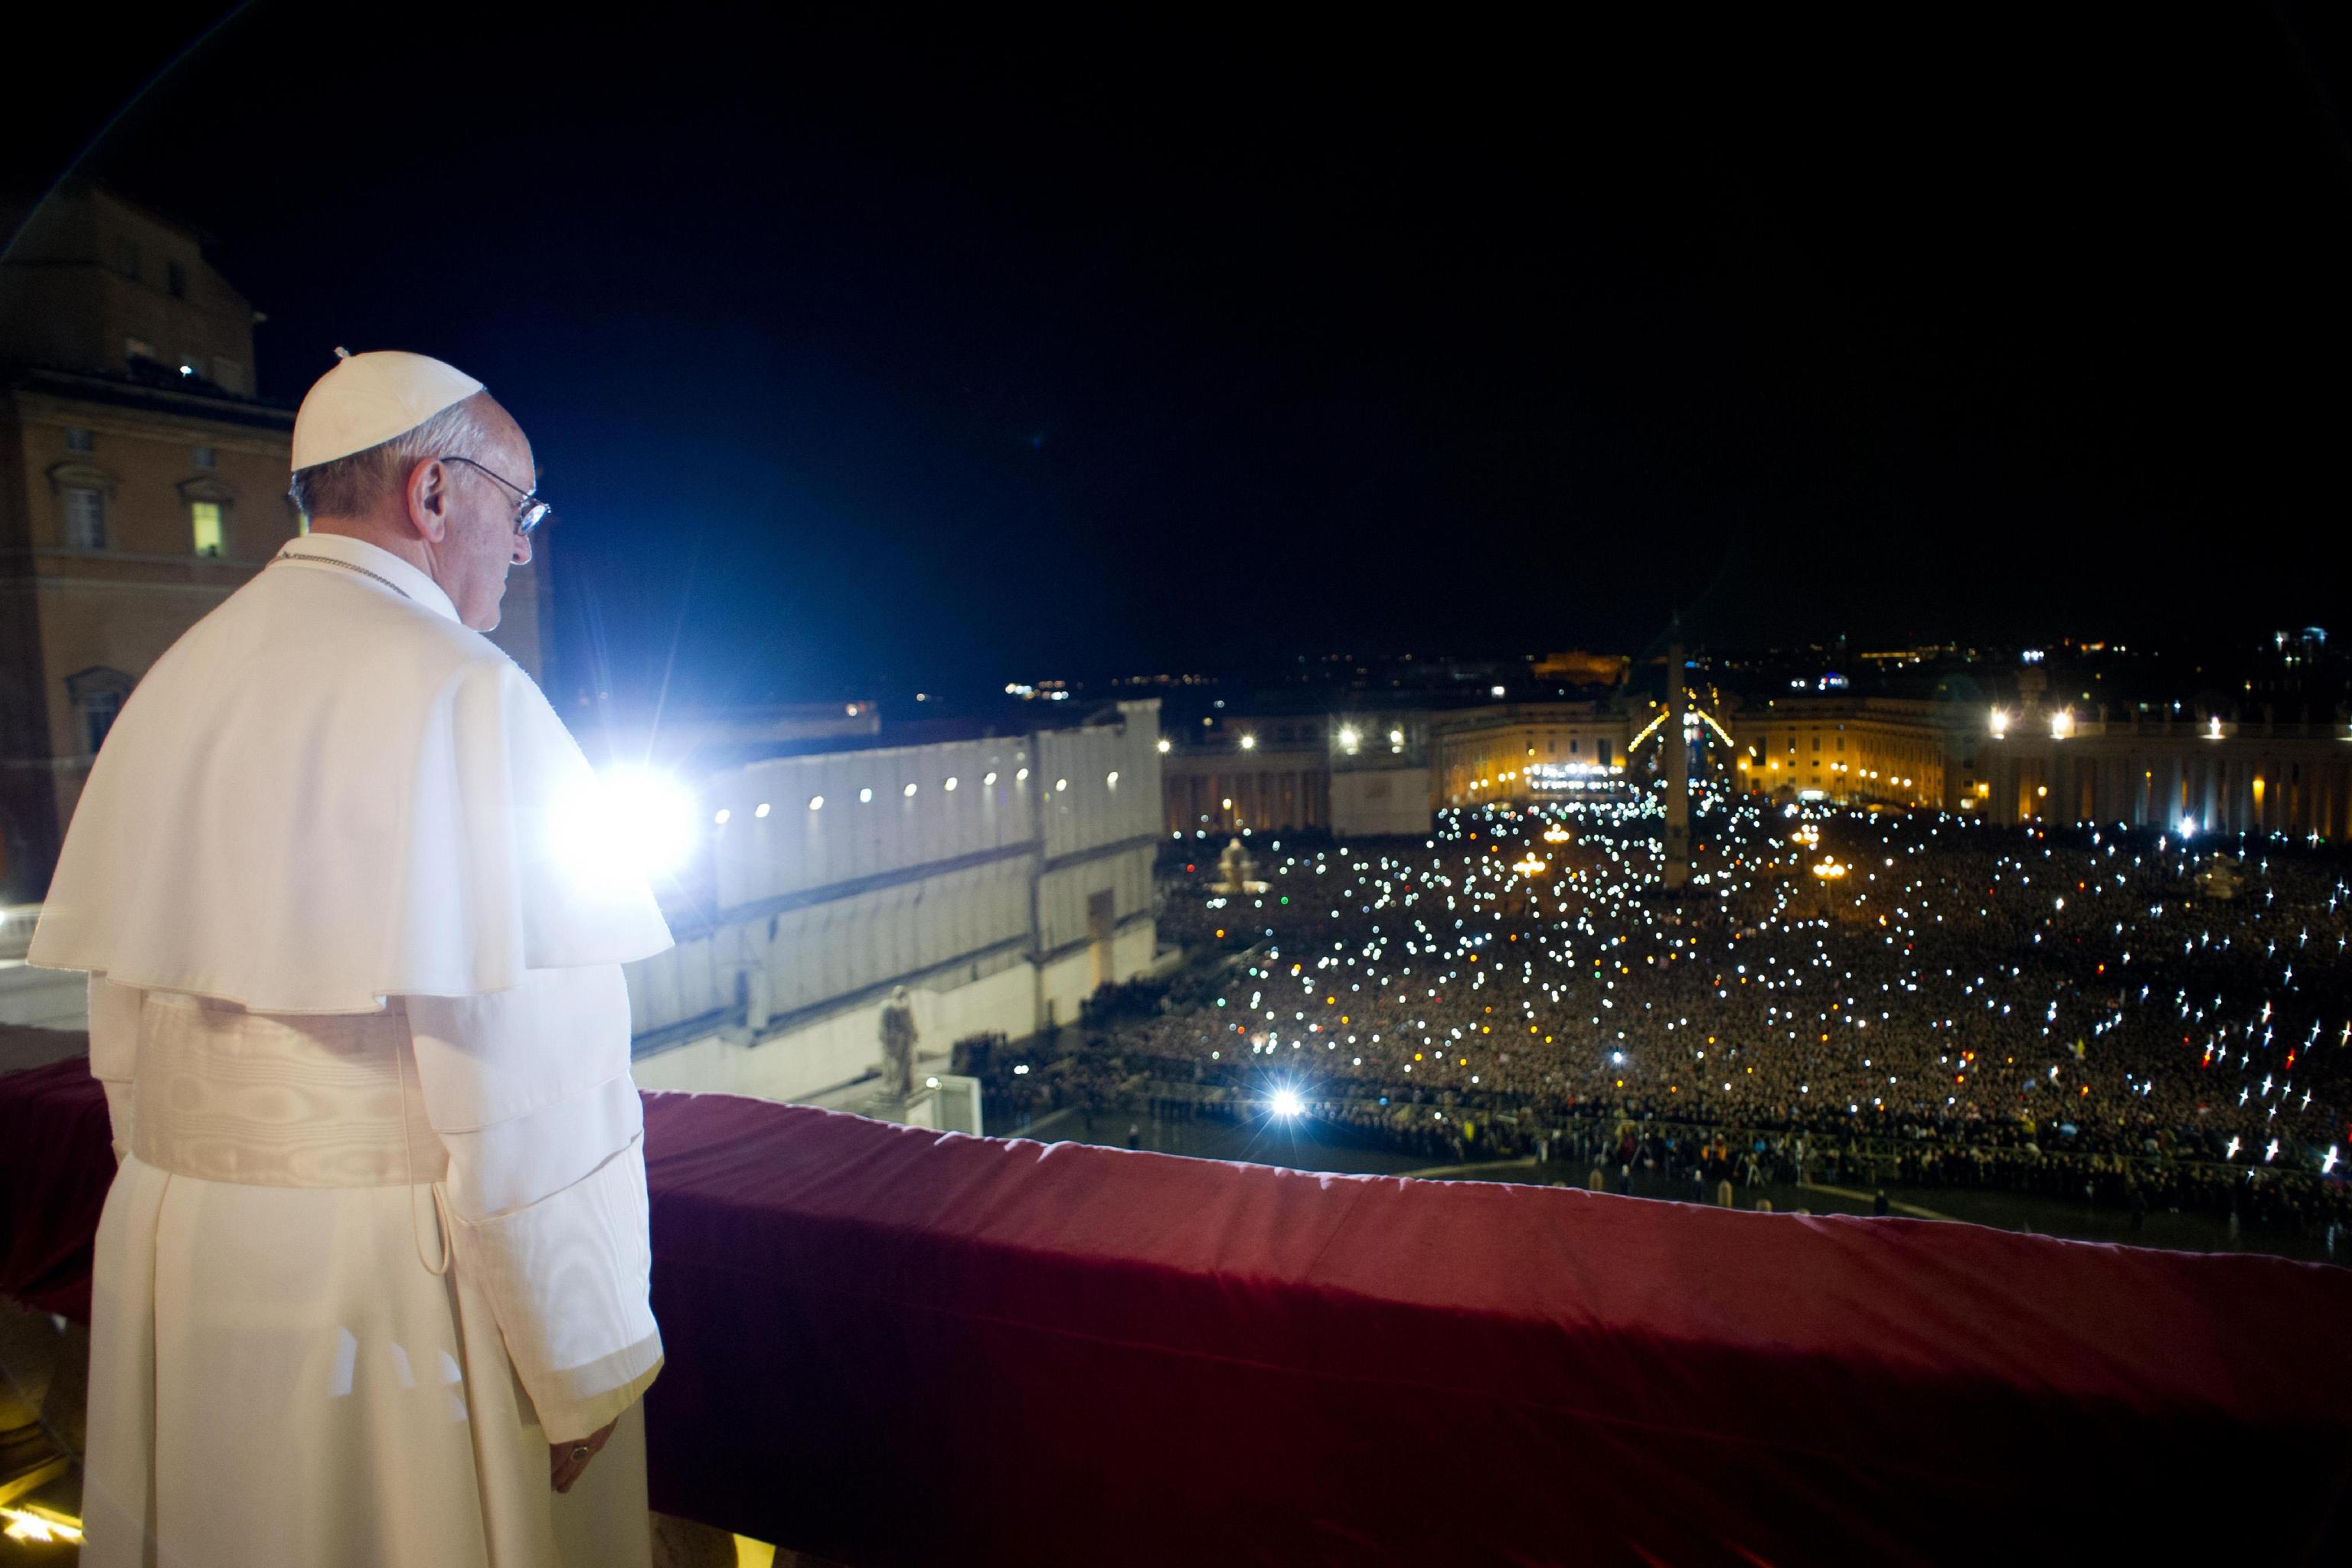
pixel 892 1346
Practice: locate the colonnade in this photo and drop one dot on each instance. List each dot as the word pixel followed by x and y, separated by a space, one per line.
pixel 2298 783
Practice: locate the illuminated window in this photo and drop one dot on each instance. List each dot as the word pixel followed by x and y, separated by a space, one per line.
pixel 207 518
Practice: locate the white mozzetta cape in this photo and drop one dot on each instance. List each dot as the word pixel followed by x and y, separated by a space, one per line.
pixel 330 791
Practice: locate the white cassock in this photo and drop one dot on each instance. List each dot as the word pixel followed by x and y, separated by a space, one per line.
pixel 379 1232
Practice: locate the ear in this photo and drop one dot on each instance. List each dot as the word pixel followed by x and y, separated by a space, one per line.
pixel 427 498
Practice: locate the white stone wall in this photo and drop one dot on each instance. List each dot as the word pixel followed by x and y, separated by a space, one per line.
pixel 1082 808
pixel 1380 801
pixel 980 899
pixel 43 998
pixel 797 846
pixel 837 1047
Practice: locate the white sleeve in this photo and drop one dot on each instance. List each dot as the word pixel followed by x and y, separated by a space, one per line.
pixel 529 1091
pixel 114 1051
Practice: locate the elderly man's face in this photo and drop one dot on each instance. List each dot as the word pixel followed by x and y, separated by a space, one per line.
pixel 483 545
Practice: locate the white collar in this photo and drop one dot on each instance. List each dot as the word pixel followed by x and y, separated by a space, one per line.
pixel 375 562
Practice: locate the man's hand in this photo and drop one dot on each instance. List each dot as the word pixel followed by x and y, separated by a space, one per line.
pixel 564 1460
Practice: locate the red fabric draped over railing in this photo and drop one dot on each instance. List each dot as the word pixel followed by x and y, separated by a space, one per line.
pixel 892 1346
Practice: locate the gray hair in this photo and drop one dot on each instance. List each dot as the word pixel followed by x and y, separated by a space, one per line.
pixel 354 486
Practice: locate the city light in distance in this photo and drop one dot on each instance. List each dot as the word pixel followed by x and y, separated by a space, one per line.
pixel 1164 744
pixel 1287 1104
pixel 1249 743
pixel 1999 723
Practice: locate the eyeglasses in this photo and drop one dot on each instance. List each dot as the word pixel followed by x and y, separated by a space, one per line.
pixel 530 512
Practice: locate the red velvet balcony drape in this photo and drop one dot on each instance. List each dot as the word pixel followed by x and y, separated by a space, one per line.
pixel 891 1346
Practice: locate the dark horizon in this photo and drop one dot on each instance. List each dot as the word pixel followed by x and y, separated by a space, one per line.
pixel 862 355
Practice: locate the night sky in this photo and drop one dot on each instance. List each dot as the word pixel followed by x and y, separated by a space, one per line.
pixel 862 355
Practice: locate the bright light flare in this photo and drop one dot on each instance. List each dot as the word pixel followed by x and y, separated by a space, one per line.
pixel 38 1526
pixel 1287 1105
pixel 627 822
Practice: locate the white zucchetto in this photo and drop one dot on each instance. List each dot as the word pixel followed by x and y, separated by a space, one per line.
pixel 367 399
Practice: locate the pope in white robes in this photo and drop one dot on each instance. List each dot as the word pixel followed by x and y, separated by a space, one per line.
pixel 372 1282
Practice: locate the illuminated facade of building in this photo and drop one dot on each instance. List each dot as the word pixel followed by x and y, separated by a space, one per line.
pixel 1356 772
pixel 2218 776
pixel 1000 879
pixel 1527 750
pixel 1853 749
pixel 1271 773
pixel 2040 763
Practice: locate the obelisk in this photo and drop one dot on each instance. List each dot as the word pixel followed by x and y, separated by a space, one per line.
pixel 1677 774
